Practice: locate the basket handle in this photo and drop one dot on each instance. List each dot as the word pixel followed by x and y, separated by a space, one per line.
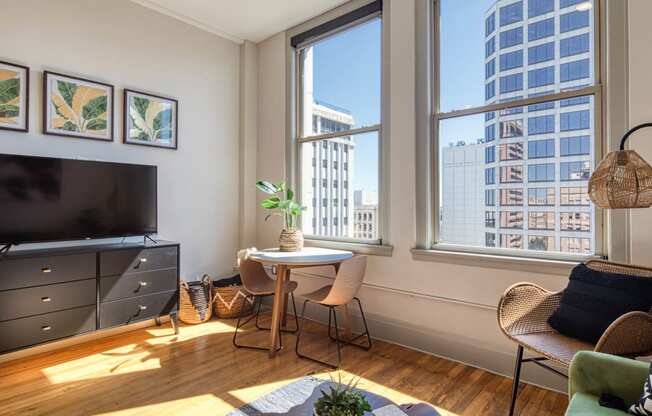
pixel 206 280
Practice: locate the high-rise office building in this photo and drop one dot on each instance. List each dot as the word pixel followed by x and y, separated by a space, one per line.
pixel 365 215
pixel 538 158
pixel 462 186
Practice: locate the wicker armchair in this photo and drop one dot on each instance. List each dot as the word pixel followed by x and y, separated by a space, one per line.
pixel 523 314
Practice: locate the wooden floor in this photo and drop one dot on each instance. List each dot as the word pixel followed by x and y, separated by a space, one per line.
pixel 199 372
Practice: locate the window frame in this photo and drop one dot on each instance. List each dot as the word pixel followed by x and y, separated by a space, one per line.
pixel 428 241
pixel 294 110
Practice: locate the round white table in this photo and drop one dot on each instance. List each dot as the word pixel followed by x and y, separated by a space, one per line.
pixel 284 262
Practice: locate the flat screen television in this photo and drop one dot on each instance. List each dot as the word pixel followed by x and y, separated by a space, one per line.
pixel 50 199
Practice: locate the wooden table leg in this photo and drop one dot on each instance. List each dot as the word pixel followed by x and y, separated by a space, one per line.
pixel 284 313
pixel 281 270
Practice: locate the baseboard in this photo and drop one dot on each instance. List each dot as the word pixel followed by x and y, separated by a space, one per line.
pixel 78 339
pixel 465 351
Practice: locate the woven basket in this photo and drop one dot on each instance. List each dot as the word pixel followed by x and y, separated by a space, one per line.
pixel 195 301
pixel 227 302
pixel 290 240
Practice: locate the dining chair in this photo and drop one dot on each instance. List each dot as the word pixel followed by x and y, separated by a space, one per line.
pixel 259 285
pixel 343 291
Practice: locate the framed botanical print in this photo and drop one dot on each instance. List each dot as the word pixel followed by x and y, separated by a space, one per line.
pixel 77 107
pixel 14 97
pixel 150 120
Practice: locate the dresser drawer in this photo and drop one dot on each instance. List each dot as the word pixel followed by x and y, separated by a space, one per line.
pixel 36 329
pixel 37 271
pixel 19 303
pixel 137 284
pixel 119 262
pixel 126 311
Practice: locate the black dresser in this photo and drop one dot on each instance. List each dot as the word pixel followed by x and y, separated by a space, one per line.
pixel 50 294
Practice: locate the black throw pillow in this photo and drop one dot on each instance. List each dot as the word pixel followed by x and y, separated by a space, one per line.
pixel 643 407
pixel 593 300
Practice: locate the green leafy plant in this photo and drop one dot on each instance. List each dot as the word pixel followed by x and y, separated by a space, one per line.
pixel 282 202
pixel 342 400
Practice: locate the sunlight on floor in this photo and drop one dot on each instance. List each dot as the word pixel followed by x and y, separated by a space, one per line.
pixel 203 404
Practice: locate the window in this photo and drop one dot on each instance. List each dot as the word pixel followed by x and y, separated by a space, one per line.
pixel 490 219
pixel 490 154
pixel 511 151
pixel 490 47
pixel 511 38
pixel 541 53
pixel 540 30
pixel 575 245
pixel 490 24
pixel 490 197
pixel 541 124
pixel 511 60
pixel 541 242
pixel 511 14
pixel 574 196
pixel 511 83
pixel 541 148
pixel 573 21
pixel 490 90
pixel 541 197
pixel 489 176
pixel 576 120
pixel 511 219
pixel 341 99
pixel 573 146
pixel 571 71
pixel 511 128
pixel 511 241
pixel 540 77
pixel 541 221
pixel 575 171
pixel 539 7
pixel 532 133
pixel 575 221
pixel 568 3
pixel 490 69
pixel 511 174
pixel 574 45
pixel 543 172
pixel 511 197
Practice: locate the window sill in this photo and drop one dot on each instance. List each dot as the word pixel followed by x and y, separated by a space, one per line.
pixel 494 261
pixel 358 248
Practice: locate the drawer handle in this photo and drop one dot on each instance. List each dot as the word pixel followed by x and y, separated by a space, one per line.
pixel 142 284
pixel 46 270
pixel 142 307
pixel 46 299
pixel 143 260
pixel 46 328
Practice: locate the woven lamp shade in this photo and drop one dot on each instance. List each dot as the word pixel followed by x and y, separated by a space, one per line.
pixel 622 180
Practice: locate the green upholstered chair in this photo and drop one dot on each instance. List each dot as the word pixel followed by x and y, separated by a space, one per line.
pixel 592 373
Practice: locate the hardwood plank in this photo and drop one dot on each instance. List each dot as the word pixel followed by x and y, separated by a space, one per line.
pixel 151 371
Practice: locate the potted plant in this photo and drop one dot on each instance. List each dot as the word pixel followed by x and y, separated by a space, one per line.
pixel 283 204
pixel 343 400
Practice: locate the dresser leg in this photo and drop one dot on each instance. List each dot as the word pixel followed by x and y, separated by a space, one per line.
pixel 175 323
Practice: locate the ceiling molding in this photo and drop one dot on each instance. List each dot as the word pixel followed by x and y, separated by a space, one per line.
pixel 188 20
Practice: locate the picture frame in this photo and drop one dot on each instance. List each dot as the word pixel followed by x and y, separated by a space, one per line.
pixel 14 97
pixel 150 120
pixel 77 107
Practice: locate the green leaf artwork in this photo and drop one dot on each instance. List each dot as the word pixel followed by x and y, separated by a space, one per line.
pixel 9 97
pixel 151 120
pixel 79 108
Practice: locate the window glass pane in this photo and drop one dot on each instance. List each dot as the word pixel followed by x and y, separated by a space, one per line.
pixel 575 221
pixel 340 77
pixel 497 52
pixel 342 173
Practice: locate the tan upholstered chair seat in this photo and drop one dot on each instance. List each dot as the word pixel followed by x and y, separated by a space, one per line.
pixel 266 287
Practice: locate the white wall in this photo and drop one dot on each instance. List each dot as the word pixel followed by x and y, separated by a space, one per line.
pixel 444 308
pixel 130 46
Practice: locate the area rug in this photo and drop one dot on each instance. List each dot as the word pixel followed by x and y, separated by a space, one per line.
pixel 298 398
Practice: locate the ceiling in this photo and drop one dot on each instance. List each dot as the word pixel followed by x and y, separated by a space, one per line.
pixel 239 20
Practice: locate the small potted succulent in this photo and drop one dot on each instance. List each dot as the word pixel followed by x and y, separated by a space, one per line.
pixel 342 400
pixel 283 204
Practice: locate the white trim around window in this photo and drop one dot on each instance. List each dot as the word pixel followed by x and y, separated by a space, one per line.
pixel 610 98
pixel 294 140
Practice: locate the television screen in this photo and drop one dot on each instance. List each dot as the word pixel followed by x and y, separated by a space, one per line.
pixel 49 199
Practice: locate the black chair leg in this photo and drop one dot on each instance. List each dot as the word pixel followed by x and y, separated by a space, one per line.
pixel 240 324
pixel 517 378
pixel 366 327
pixel 366 332
pixel 301 328
pixel 296 319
